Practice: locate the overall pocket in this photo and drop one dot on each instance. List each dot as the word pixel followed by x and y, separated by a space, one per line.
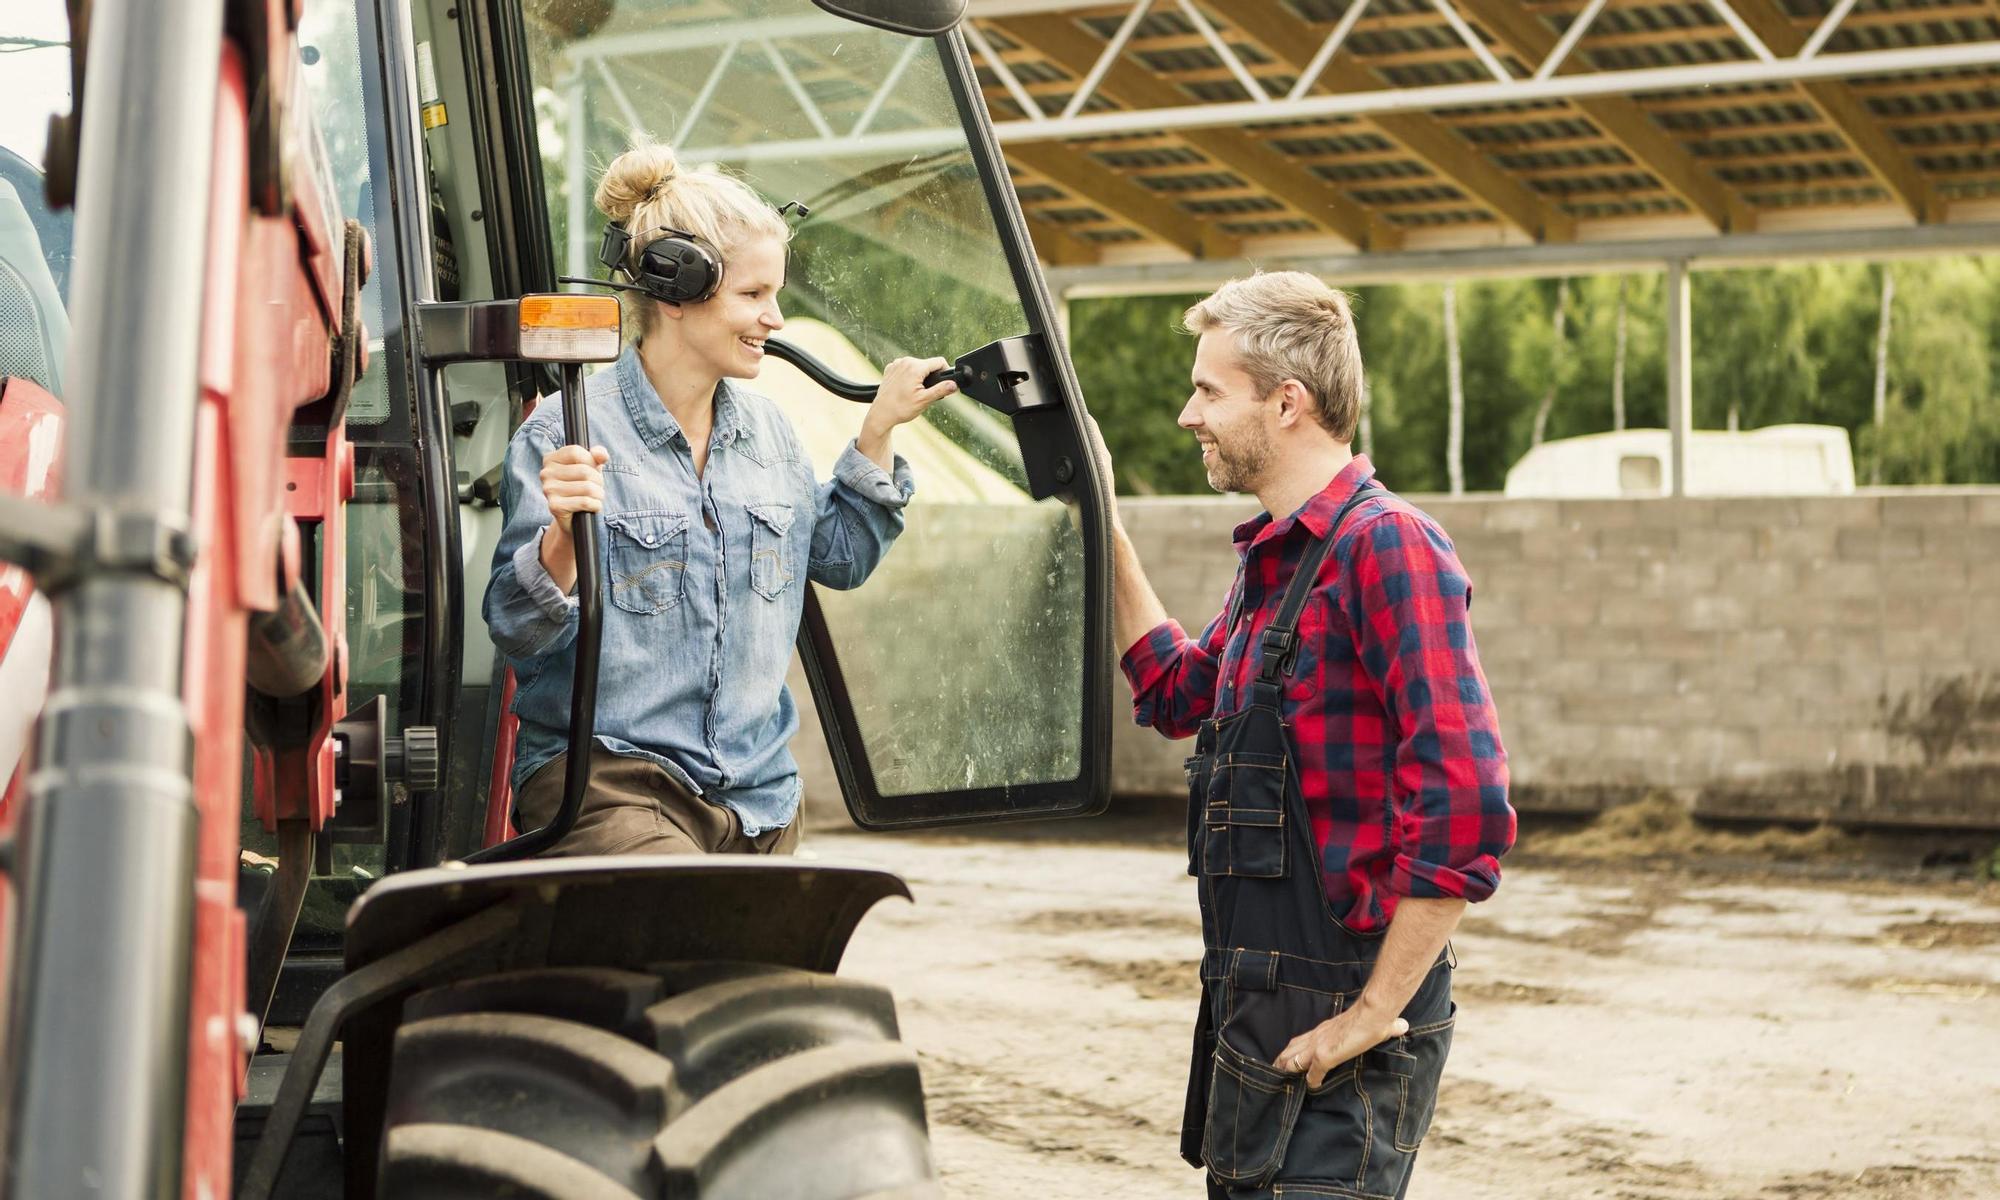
pixel 1194 769
pixel 770 562
pixel 648 554
pixel 1426 1048
pixel 1245 816
pixel 1252 1107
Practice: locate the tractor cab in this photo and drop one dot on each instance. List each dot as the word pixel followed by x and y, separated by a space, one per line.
pixel 417 176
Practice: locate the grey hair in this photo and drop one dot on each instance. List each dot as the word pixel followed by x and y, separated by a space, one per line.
pixel 1290 325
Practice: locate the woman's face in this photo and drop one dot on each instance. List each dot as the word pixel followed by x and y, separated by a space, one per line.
pixel 727 331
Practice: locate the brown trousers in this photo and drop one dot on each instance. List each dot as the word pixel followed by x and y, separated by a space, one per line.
pixel 632 806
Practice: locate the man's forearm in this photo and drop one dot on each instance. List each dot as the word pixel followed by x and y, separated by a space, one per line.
pixel 1417 934
pixel 1136 611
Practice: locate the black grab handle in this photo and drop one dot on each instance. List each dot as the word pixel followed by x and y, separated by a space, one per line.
pixel 583 529
pixel 850 389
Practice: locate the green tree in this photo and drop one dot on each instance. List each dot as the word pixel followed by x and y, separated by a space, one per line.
pixel 1133 363
pixel 1942 353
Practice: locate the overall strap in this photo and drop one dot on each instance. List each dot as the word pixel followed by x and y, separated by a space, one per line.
pixel 1280 641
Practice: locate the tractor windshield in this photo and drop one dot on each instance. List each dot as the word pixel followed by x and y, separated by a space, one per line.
pixel 901 255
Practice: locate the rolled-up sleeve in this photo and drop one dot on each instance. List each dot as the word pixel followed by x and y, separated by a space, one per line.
pixel 526 613
pixel 1407 600
pixel 1173 676
pixel 859 516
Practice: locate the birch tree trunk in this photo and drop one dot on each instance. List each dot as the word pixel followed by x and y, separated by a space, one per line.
pixel 1555 363
pixel 1882 372
pixel 1618 364
pixel 1454 441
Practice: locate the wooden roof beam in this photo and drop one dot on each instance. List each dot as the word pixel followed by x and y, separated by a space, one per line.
pixel 1849 114
pixel 1621 119
pixel 1292 42
pixel 1156 216
pixel 1057 246
pixel 1060 40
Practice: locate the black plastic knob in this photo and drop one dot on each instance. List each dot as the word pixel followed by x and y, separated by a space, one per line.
pixel 413 758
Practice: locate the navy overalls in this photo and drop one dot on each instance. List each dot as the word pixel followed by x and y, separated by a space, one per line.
pixel 1276 963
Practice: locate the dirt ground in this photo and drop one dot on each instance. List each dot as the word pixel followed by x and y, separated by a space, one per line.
pixel 1647 1012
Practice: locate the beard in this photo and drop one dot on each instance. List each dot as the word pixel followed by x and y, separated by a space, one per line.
pixel 1238 463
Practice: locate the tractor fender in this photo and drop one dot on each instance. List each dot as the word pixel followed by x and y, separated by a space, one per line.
pixel 628 911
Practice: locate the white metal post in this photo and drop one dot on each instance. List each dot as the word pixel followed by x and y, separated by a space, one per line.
pixel 578 190
pixel 1680 387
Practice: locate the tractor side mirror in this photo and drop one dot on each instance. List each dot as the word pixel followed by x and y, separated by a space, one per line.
pixel 918 18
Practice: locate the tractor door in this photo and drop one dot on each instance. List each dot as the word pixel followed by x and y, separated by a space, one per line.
pixel 968 679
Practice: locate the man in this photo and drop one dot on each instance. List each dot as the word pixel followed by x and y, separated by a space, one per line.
pixel 1348 795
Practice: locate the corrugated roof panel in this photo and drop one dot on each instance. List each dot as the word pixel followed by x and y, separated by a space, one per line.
pixel 1267 228
pixel 1564 187
pixel 1160 156
pixel 1110 236
pixel 1368 142
pixel 1205 182
pixel 1815 170
pixel 1369 172
pixel 1231 204
pixel 1817 197
pixel 1391 196
pixel 1655 205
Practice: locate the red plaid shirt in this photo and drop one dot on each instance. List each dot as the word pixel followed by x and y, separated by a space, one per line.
pixel 1394 737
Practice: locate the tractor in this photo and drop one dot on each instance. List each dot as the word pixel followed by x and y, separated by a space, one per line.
pixel 276 287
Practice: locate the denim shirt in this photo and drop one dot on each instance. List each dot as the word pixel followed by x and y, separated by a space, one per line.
pixel 706 586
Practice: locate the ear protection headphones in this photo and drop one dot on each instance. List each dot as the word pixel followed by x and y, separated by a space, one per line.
pixel 679 268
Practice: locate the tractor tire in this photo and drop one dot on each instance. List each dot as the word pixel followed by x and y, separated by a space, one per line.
pixel 701 1081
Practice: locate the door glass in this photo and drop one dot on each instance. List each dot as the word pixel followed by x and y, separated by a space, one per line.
pixel 963 655
pixel 34 238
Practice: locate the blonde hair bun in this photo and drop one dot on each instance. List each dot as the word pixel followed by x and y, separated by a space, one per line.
pixel 633 178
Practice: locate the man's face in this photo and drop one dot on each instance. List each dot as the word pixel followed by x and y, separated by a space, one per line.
pixel 1227 416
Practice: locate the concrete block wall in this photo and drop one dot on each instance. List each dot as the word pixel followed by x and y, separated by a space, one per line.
pixel 1830 657
pixel 1812 658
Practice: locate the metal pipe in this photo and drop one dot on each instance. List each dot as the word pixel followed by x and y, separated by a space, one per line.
pixel 1465 32
pixel 589 641
pixel 701 98
pixel 1222 51
pixel 1112 50
pixel 576 187
pixel 895 76
pixel 1570 38
pixel 99 1030
pixel 1826 29
pixel 1742 29
pixel 1550 258
pixel 1680 375
pixel 799 94
pixel 1327 49
pixel 977 41
pixel 1854 65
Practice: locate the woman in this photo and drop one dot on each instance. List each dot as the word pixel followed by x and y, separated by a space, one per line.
pixel 713 520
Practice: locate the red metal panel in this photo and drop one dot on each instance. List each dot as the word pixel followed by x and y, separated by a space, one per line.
pixel 500 789
pixel 31 432
pixel 214 653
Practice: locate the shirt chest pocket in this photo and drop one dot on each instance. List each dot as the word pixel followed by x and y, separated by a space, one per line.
pixel 770 553
pixel 648 554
